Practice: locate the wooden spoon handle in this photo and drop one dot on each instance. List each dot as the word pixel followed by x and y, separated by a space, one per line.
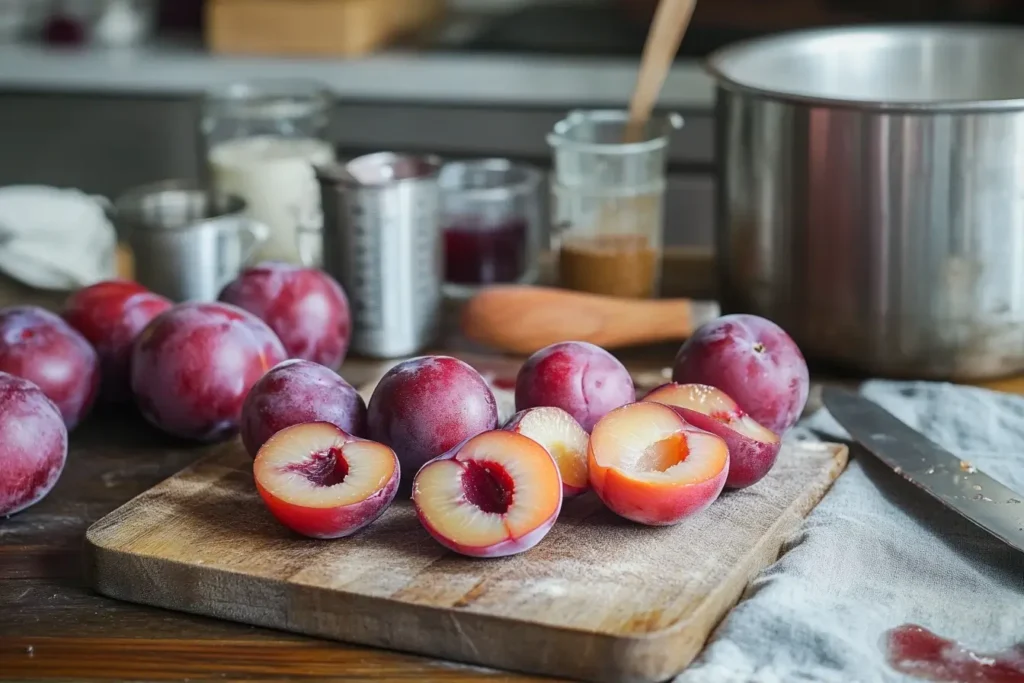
pixel 671 19
pixel 522 319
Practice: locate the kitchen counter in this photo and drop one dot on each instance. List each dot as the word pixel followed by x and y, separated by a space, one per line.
pixel 427 76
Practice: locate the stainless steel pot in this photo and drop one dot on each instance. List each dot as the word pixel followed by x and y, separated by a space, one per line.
pixel 871 194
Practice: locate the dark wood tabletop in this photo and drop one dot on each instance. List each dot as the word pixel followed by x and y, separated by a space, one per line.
pixel 53 627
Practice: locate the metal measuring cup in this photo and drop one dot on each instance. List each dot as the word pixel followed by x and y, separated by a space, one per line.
pixel 381 238
pixel 187 241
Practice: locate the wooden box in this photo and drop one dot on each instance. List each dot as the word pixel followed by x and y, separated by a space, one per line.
pixel 324 28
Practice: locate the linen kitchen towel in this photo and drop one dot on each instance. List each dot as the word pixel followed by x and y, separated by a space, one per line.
pixel 876 554
pixel 55 239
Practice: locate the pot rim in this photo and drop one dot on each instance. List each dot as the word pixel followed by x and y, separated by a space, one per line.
pixel 714 64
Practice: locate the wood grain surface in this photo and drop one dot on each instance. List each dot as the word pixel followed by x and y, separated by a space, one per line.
pixel 599 599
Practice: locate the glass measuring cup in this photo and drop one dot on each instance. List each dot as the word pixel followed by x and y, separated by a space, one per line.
pixel 261 140
pixel 490 211
pixel 607 201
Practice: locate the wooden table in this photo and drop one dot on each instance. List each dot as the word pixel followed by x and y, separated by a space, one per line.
pixel 53 627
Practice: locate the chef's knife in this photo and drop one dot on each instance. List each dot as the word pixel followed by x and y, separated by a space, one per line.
pixel 955 483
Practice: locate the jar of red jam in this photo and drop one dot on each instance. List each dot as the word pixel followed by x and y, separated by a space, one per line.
pixel 491 221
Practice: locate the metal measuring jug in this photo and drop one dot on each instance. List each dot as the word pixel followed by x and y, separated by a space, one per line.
pixel 381 239
pixel 188 241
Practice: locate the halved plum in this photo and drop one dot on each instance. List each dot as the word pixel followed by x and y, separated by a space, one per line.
pixel 563 437
pixel 753 449
pixel 651 466
pixel 496 494
pixel 321 482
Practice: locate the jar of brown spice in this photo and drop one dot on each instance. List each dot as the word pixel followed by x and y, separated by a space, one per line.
pixel 607 202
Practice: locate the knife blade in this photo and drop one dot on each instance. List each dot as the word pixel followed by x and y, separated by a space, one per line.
pixel 955 483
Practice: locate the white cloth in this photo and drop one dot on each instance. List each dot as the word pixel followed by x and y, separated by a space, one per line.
pixel 877 553
pixel 55 239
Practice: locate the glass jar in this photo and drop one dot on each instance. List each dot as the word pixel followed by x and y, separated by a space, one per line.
pixel 491 221
pixel 121 23
pixel 262 140
pixel 608 198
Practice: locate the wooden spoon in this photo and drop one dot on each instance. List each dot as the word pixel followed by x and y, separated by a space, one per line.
pixel 671 18
pixel 523 319
pixel 670 22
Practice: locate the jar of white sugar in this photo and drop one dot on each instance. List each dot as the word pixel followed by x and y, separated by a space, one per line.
pixel 262 141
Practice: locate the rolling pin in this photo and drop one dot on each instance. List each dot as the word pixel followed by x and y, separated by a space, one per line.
pixel 522 319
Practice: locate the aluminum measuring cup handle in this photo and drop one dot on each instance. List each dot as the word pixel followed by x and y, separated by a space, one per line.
pixel 250 234
pixel 254 234
pixel 309 242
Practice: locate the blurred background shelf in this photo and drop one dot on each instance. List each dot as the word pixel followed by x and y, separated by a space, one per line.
pixel 178 65
pixel 486 78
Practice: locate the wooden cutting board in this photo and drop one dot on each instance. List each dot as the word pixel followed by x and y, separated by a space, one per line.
pixel 599 599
